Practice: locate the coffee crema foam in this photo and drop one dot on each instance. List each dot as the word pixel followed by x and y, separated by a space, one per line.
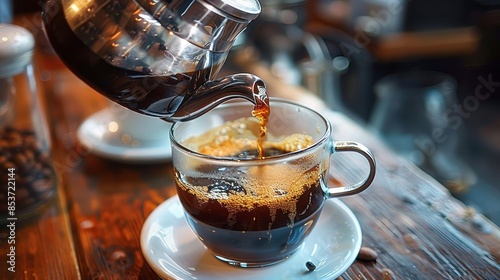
pixel 234 137
pixel 277 193
pixel 277 187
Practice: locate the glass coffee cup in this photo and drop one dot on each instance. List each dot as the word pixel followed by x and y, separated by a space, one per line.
pixel 252 211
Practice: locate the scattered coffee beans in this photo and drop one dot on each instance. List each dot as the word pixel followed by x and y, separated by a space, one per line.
pixel 34 176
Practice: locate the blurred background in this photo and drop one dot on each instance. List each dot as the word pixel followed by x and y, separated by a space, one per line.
pixel 423 75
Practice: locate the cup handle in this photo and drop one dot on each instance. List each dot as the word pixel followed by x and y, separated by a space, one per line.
pixel 349 146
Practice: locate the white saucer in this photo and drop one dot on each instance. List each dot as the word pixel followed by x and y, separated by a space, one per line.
pixel 96 135
pixel 174 252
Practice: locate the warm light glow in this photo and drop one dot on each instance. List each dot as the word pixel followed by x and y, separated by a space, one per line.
pixel 126 138
pixel 113 126
pixel 116 35
pixel 147 19
pixel 74 7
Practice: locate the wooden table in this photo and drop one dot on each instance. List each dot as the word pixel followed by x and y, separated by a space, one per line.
pixel 92 228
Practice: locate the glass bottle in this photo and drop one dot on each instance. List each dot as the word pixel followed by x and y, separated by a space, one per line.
pixel 27 175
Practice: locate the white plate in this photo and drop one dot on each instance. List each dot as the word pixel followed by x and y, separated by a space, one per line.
pixel 174 252
pixel 104 136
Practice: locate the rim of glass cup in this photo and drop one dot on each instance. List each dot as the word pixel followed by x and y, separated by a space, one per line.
pixel 286 156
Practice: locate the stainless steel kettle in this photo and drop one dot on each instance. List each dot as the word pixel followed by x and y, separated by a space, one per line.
pixel 156 57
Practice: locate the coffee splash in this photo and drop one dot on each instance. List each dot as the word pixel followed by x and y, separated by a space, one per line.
pixel 261 112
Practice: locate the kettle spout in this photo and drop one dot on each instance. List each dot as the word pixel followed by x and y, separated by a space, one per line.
pixel 213 93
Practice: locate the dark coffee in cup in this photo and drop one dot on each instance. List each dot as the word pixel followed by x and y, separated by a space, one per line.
pixel 237 215
pixel 233 222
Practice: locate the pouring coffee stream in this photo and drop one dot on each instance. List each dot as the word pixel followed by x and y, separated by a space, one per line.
pixel 158 58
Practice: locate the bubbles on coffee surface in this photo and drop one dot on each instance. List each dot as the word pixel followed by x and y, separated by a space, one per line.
pixel 239 139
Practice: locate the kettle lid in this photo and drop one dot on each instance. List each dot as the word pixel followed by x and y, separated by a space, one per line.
pixel 243 9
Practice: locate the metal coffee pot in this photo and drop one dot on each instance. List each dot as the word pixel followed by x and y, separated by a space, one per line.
pixel 156 57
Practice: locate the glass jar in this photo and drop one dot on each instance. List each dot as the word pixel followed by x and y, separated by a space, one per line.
pixel 27 175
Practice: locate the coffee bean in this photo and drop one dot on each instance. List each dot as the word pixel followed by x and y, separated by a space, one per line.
pixel 8 165
pixel 22 194
pixel 30 155
pixel 367 254
pixel 310 266
pixel 20 160
pixel 13 136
